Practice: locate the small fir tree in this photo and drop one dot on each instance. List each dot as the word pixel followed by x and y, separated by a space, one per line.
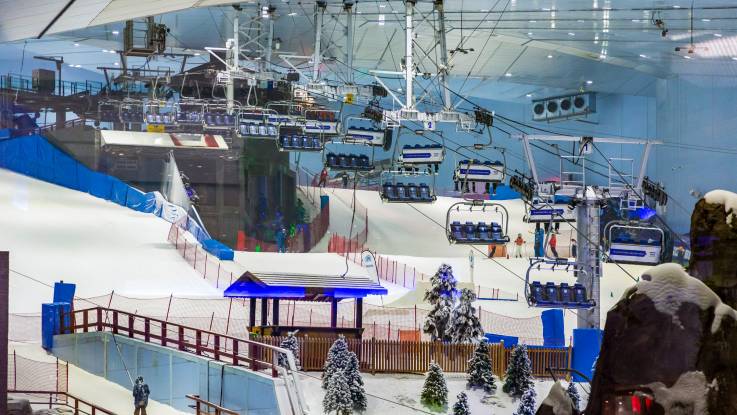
pixel 338 358
pixel 464 323
pixel 461 405
pixel 435 390
pixel 338 395
pixel 479 368
pixel 441 296
pixel 572 392
pixel 519 372
pixel 291 343
pixel 527 403
pixel 355 382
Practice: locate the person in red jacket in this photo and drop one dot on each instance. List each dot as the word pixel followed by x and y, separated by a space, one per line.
pixel 553 243
pixel 518 246
pixel 323 177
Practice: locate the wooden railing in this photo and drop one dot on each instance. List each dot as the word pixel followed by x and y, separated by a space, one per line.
pixel 390 356
pixel 203 407
pixel 238 352
pixel 79 406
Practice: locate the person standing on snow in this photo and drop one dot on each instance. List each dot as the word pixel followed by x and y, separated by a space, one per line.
pixel 574 248
pixel 323 177
pixel 518 246
pixel 553 242
pixel 140 396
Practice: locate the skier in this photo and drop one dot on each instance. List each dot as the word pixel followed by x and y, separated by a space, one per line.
pixel 344 178
pixel 323 177
pixel 553 242
pixel 518 246
pixel 574 248
pixel 281 239
pixel 140 396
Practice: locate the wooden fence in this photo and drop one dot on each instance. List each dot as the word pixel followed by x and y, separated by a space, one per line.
pixel 391 356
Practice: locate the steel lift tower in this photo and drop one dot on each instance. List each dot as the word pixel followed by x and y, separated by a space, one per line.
pixel 589 200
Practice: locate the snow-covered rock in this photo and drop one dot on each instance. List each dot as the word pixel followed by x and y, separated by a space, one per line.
pixel 690 391
pixel 726 198
pixel 669 286
pixel 557 402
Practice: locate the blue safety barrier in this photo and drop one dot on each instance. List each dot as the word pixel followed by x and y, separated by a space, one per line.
pixel 217 248
pixel 497 338
pixel 64 292
pixel 586 347
pixel 553 327
pixel 51 321
pixel 504 192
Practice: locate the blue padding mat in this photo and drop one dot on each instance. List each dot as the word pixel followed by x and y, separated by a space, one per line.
pixel 65 170
pixel 120 192
pixel 220 250
pixel 101 185
pixel 135 199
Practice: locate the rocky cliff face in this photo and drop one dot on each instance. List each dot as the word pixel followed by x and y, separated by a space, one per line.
pixel 714 244
pixel 672 340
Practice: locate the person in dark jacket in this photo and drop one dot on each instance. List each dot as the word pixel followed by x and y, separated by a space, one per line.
pixel 140 396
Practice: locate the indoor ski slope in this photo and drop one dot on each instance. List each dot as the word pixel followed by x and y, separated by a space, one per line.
pixel 412 234
pixel 54 233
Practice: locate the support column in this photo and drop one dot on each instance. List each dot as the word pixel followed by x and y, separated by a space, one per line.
pixel 4 297
pixel 333 312
pixel 252 312
pixel 589 256
pixel 359 313
pixel 348 8
pixel 408 48
pixel 445 66
pixel 264 312
pixel 275 312
pixel 316 58
pixel 232 59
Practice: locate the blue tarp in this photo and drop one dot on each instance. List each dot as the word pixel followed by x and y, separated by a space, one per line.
pixel 586 347
pixel 553 328
pixel 504 192
pixel 217 248
pixel 497 338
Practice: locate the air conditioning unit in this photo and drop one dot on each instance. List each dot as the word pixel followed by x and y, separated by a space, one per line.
pixel 563 107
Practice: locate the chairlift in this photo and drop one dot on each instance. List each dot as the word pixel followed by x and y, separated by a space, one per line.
pixel 108 111
pixel 217 117
pixel 159 113
pixel 552 295
pixel 470 172
pixel 295 139
pixel 252 123
pixel 322 121
pixel 477 233
pixel 430 155
pixel 634 243
pixel 555 209
pixel 190 113
pixel 285 113
pixel 360 130
pixel 394 191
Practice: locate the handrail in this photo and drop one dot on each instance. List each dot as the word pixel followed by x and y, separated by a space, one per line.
pixel 199 403
pixel 255 355
pixel 94 409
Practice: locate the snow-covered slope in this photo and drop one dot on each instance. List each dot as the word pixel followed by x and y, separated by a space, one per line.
pixel 54 233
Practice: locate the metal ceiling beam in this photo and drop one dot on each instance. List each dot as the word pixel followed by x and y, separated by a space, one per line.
pixel 57 17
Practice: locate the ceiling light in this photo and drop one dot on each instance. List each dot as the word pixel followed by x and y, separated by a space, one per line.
pixel 71 66
pixel 705 20
pixel 571 34
pixel 687 57
pixel 643 56
pixel 382 6
pixel 533 21
pixel 717 34
pixel 484 10
pixel 635 20
pixel 292 14
pixel 602 56
pixel 115 32
pixel 197 53
pixel 381 19
pixel 550 56
pixel 580 20
pixel 116 63
pixel 77 66
pixel 734 58
pixel 508 74
pixel 529 33
pixel 76 45
pixel 589 82
pixel 675 6
pixel 528 95
pixel 104 51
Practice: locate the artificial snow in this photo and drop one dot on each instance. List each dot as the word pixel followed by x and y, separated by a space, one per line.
pixel 559 400
pixel 726 198
pixel 669 286
pixel 690 391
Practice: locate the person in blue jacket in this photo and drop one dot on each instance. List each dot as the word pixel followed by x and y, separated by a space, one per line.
pixel 539 241
pixel 140 396
pixel 281 239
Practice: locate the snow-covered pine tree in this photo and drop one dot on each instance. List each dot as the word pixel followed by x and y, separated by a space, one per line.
pixel 338 395
pixel 290 343
pixel 479 370
pixel 572 392
pixel 519 372
pixel 355 382
pixel 441 296
pixel 527 403
pixel 461 405
pixel 435 390
pixel 338 358
pixel 464 323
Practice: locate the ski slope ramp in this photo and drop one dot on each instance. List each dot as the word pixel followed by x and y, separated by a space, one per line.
pixel 54 233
